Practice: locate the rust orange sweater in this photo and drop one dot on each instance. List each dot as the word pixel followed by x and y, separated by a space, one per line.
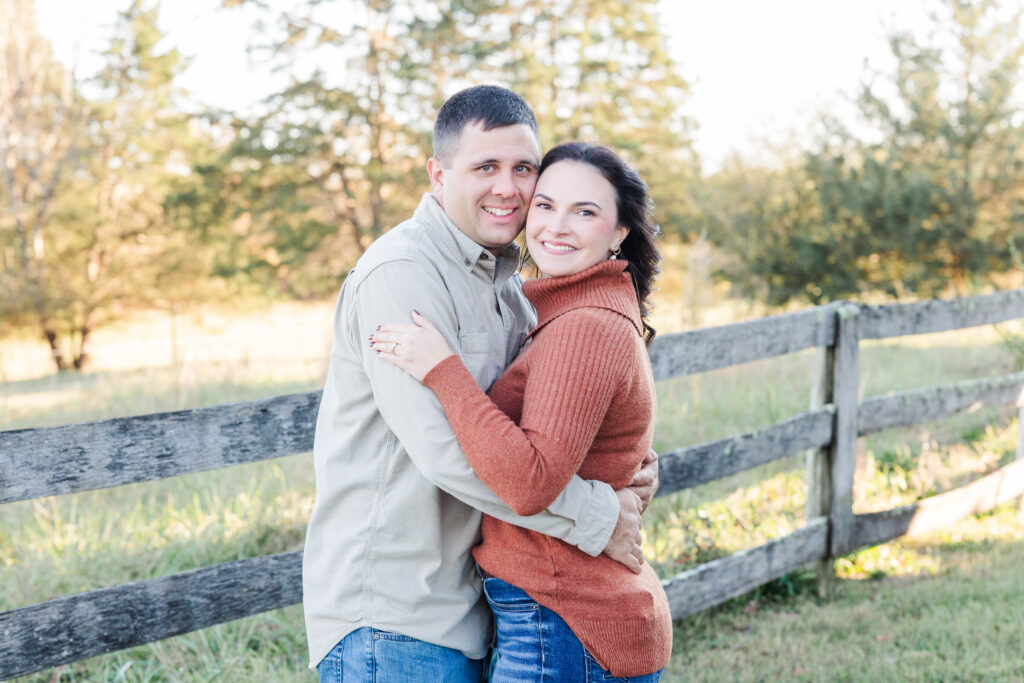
pixel 579 399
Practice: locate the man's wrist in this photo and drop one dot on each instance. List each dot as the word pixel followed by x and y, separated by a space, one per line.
pixel 593 530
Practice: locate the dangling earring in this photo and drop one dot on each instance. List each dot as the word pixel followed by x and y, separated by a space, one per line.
pixel 615 253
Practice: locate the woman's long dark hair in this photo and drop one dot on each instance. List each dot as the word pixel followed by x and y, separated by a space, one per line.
pixel 639 249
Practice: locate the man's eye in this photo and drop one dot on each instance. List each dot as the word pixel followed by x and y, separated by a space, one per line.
pixel 487 168
pixel 523 169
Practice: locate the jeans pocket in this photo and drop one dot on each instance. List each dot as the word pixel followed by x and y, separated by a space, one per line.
pixel 503 596
pixel 331 668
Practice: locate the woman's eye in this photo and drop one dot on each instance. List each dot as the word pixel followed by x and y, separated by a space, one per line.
pixel 585 212
pixel 542 205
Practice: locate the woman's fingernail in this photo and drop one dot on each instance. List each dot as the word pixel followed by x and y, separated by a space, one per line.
pixel 416 312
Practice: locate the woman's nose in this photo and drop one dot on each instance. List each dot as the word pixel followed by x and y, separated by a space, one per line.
pixel 559 224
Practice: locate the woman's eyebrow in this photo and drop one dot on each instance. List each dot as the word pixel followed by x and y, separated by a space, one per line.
pixel 541 195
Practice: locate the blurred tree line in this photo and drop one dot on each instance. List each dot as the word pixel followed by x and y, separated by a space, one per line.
pixel 922 194
pixel 117 193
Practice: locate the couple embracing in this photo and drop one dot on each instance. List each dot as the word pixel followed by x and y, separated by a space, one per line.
pixel 488 462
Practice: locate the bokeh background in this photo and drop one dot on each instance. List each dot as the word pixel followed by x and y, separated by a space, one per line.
pixel 185 185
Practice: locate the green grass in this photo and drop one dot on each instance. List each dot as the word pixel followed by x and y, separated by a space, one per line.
pixel 945 607
pixel 963 621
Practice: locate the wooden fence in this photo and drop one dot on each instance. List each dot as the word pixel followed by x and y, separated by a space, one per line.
pixel 50 461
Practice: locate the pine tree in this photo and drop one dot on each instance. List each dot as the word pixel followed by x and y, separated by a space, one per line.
pixel 339 156
pixel 41 139
pixel 921 197
pixel 104 243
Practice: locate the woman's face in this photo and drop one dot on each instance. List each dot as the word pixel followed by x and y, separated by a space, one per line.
pixel 573 222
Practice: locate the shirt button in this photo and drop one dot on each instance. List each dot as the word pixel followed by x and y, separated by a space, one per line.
pixel 467 262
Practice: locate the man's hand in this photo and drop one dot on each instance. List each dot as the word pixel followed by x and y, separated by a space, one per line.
pixel 624 546
pixel 645 481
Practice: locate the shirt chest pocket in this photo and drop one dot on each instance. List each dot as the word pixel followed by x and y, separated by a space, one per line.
pixel 475 351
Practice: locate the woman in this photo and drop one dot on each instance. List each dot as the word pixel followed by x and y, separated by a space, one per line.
pixel 579 399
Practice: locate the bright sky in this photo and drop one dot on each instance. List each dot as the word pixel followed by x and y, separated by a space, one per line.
pixel 761 70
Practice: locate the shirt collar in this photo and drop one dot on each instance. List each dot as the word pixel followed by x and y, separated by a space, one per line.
pixel 465 250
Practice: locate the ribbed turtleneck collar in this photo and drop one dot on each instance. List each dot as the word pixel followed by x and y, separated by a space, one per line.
pixel 605 285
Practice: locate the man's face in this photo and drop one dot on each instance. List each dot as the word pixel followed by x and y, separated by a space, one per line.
pixel 485 188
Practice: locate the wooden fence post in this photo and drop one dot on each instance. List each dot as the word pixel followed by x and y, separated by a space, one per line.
pixel 819 474
pixel 843 449
pixel 1020 446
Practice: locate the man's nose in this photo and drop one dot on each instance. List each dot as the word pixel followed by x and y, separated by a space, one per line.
pixel 504 185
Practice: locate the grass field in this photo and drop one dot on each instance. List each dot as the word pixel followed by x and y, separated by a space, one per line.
pixel 945 607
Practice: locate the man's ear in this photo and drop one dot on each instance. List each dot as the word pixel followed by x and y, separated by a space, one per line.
pixel 435 172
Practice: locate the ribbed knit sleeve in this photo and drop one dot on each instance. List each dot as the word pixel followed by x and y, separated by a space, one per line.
pixel 578 362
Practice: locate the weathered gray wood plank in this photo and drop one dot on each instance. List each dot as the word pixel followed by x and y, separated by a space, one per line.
pixel 79 626
pixel 685 353
pixel 818 473
pixel 914 407
pixel 79 457
pixel 694 465
pixel 896 320
pixel 843 449
pixel 1019 455
pixel 939 511
pixel 715 582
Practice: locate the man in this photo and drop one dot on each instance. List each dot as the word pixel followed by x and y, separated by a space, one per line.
pixel 389 585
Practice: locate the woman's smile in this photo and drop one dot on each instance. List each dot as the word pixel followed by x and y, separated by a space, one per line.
pixel 573 222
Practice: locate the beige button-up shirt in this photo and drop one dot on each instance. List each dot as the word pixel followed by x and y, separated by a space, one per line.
pixel 398 507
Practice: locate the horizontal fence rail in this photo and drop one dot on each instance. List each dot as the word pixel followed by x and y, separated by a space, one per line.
pixel 686 353
pixel 925 317
pixel 51 461
pixel 914 407
pixel 88 624
pixel 716 581
pixel 694 465
pixel 59 460
pixel 941 510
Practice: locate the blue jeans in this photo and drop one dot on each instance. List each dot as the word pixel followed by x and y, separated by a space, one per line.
pixel 373 656
pixel 535 644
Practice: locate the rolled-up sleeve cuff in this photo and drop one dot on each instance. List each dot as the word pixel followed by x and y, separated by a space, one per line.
pixel 592 533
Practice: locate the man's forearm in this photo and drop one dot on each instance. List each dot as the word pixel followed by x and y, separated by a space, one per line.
pixel 584 514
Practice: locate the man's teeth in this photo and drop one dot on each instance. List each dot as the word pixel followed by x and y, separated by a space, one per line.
pixel 559 247
pixel 498 212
